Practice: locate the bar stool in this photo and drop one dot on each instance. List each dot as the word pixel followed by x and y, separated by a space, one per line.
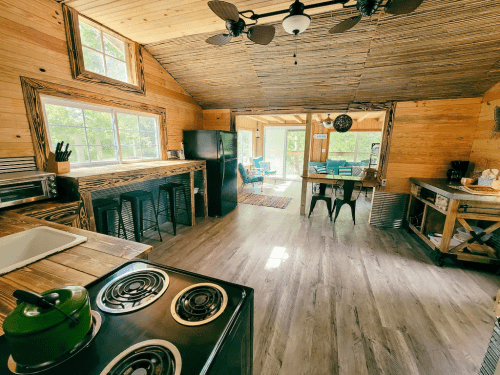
pixel 137 199
pixel 171 189
pixel 321 197
pixel 102 207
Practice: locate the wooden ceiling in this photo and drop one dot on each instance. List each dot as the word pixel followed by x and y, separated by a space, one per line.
pixel 445 49
pixel 300 119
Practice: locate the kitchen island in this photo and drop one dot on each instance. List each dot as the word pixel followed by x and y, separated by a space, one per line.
pixel 81 183
pixel 78 265
pixel 438 206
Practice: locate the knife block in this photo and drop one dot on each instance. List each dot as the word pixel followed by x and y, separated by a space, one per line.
pixel 57 167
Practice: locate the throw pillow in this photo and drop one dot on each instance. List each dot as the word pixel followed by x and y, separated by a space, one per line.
pixel 321 170
pixel 357 171
pixel 332 166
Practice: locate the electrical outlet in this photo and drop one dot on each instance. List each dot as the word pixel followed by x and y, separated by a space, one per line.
pixel 323 150
pixel 384 182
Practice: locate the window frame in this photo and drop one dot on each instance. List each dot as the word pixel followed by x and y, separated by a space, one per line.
pixel 114 111
pixel 242 132
pixel 134 59
pixel 355 152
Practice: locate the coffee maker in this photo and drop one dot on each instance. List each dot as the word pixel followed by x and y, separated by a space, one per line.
pixel 458 170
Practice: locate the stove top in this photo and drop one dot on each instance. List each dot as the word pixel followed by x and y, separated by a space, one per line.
pixel 161 320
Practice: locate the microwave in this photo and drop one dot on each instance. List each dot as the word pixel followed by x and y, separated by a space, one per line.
pixel 24 187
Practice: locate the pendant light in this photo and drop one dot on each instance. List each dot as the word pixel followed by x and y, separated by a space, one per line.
pixel 296 22
pixel 342 123
pixel 328 123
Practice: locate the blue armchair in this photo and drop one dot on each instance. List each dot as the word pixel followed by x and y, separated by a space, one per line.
pixel 257 168
pixel 249 179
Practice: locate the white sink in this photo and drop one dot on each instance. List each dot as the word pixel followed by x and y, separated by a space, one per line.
pixel 19 249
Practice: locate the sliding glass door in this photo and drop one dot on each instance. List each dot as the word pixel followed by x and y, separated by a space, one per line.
pixel 284 149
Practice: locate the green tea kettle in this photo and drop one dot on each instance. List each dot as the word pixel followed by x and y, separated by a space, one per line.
pixel 44 327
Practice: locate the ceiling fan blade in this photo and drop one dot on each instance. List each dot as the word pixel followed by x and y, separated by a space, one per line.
pixel 219 40
pixel 261 34
pixel 345 25
pixel 402 6
pixel 225 10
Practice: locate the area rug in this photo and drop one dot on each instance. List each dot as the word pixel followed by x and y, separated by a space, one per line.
pixel 264 200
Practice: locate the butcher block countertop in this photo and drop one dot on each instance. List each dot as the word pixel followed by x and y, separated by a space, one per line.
pixel 78 265
pixel 118 170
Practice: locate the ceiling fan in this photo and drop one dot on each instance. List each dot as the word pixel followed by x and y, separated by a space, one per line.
pixel 297 21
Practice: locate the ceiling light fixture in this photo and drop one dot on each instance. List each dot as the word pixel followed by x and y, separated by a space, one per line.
pixel 328 123
pixel 297 21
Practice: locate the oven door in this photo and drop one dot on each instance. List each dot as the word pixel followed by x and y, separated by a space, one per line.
pixel 23 192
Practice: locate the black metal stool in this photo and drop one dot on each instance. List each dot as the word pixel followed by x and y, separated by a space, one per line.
pixel 102 207
pixel 171 189
pixel 321 197
pixel 137 199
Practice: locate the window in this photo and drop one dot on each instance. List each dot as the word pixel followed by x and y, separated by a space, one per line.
pixel 101 135
pixel 103 53
pixel 245 150
pixel 352 146
pixel 99 55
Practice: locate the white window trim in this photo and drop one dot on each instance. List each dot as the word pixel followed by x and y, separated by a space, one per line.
pixel 46 99
pixel 355 152
pixel 127 61
pixel 242 132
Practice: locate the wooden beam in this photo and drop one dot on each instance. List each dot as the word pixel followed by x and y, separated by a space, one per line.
pixel 305 169
pixel 259 119
pixel 279 119
pixel 366 115
pixel 299 119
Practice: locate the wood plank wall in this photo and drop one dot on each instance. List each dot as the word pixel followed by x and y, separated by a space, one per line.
pixel 33 39
pixel 427 136
pixel 486 146
pixel 217 119
pixel 245 123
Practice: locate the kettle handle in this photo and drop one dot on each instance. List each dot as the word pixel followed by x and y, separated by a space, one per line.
pixel 44 302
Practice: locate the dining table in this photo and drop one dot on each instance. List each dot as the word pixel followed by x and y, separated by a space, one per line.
pixel 331 179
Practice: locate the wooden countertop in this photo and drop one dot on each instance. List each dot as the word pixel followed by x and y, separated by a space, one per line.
pixel 443 187
pixel 76 266
pixel 330 178
pixel 116 170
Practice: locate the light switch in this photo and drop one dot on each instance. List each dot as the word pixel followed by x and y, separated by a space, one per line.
pixel 323 150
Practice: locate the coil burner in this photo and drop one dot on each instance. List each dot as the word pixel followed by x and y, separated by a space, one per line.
pixel 132 291
pixel 158 357
pixel 199 304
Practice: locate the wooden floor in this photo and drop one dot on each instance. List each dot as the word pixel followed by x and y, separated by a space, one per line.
pixel 341 299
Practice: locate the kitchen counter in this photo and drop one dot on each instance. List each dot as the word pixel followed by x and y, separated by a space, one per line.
pixel 80 183
pixel 78 265
pixel 442 187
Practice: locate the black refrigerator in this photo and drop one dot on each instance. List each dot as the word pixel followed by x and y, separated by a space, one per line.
pixel 219 149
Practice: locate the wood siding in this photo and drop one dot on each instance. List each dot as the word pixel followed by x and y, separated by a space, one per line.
pixel 486 146
pixel 34 39
pixel 217 119
pixel 427 136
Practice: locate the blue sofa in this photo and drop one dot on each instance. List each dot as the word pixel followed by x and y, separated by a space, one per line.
pixel 336 167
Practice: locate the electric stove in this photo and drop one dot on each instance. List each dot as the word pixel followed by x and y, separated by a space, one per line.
pixel 163 321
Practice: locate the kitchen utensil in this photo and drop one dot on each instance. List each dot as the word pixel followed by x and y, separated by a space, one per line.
pixel 43 328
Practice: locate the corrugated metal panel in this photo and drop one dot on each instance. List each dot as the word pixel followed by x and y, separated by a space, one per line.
pixel 388 209
pixel 17 164
pixel 492 356
pixel 152 186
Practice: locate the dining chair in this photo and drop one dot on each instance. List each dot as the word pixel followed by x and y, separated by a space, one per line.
pixel 347 198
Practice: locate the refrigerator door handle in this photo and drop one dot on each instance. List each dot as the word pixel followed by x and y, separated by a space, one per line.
pixel 223 160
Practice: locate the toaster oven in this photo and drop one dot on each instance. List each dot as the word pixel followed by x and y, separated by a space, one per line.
pixel 24 187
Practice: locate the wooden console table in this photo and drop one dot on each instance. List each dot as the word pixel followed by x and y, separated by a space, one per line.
pixel 457 207
pixel 79 184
